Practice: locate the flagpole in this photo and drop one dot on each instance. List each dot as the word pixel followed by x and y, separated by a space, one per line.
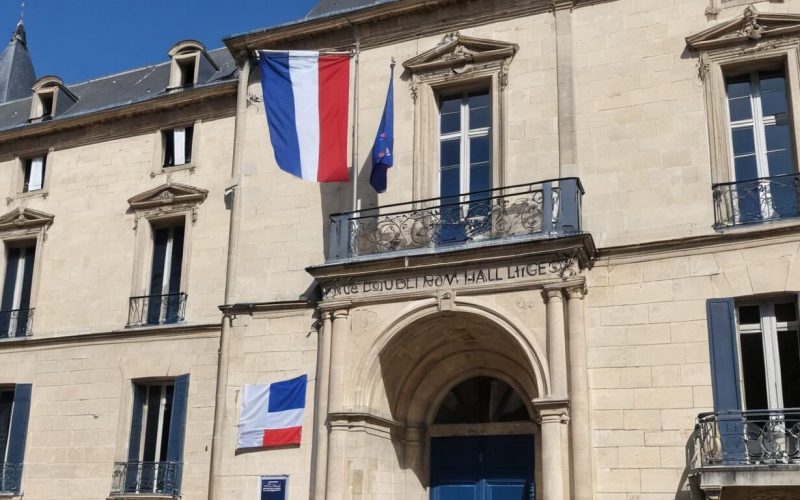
pixel 355 121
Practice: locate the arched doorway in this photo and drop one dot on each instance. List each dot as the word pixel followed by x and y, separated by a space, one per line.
pixel 476 450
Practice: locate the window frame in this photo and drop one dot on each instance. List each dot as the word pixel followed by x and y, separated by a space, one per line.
pixel 160 149
pixel 769 328
pixel 19 175
pixel 717 64
pixel 178 68
pixel 464 134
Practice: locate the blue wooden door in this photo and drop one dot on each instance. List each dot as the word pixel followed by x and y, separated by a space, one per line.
pixel 482 468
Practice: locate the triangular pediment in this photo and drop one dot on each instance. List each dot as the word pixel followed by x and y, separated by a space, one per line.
pixel 751 26
pixel 21 218
pixel 458 50
pixel 168 194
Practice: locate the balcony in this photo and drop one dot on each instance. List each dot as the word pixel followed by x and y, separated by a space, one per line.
pixel 150 310
pixel 150 479
pixel 746 449
pixel 16 322
pixel 757 200
pixel 541 210
pixel 10 477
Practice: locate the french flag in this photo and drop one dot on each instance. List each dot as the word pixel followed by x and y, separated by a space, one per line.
pixel 272 414
pixel 306 96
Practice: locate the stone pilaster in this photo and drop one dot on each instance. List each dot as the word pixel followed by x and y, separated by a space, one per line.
pixel 580 430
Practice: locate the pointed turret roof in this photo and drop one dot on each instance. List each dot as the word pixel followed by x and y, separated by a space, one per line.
pixel 16 68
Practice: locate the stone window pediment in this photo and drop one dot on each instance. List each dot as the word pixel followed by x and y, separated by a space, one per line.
pixel 168 194
pixel 167 199
pixel 24 218
pixel 458 54
pixel 750 26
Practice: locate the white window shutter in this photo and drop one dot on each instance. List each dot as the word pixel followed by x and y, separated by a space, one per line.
pixel 35 181
pixel 179 145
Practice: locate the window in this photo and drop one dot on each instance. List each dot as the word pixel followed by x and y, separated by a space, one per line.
pixel 155 450
pixel 481 400
pixel 45 104
pixel 464 146
pixel 34 174
pixel 770 354
pixel 185 69
pixel 464 163
pixel 761 146
pixel 166 302
pixel 14 412
pixel 15 306
pixel 178 146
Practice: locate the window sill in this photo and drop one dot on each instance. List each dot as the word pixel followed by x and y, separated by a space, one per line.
pixel 138 496
pixel 166 170
pixel 44 193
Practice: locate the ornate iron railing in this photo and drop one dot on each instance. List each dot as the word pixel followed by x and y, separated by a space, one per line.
pixel 157 309
pixel 539 210
pixel 16 322
pixel 146 478
pixel 754 437
pixel 757 200
pixel 10 477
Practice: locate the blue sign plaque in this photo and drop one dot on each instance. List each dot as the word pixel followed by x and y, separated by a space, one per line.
pixel 273 487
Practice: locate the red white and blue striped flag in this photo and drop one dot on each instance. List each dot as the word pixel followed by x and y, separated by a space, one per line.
pixel 306 96
pixel 272 414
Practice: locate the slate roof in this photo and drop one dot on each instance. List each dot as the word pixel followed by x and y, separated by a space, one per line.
pixel 16 69
pixel 116 90
pixel 332 7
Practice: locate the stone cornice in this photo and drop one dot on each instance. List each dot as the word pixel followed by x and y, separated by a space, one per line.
pixel 283 36
pixel 164 332
pixel 164 102
pixel 264 307
pixel 731 239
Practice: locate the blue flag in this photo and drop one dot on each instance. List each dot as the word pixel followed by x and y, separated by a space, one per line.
pixel 383 148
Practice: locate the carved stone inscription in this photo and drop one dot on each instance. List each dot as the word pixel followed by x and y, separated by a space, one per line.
pixel 559 268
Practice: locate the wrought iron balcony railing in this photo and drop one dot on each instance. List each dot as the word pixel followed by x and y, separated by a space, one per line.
pixel 10 477
pixel 146 478
pixel 757 200
pixel 16 322
pixel 157 309
pixel 526 211
pixel 748 438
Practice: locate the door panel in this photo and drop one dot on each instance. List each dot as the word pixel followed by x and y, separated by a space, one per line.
pixel 482 468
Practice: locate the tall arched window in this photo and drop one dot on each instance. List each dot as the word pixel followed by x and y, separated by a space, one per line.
pixel 481 400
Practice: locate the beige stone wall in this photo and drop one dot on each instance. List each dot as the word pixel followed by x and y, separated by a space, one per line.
pixel 648 354
pixel 81 408
pixel 266 348
pixel 87 259
pixel 285 220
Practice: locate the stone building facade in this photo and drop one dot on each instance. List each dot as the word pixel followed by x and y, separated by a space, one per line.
pixel 580 284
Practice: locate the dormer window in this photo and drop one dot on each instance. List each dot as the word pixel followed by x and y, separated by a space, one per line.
pixel 50 98
pixel 191 65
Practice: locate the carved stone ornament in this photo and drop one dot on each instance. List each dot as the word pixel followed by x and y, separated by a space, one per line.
pixel 752 26
pixel 457 54
pixel 169 198
pixel 24 218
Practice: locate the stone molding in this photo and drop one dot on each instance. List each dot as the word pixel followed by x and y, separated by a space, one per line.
pixel 551 410
pixel 24 219
pixel 751 26
pixel 167 199
pixel 459 54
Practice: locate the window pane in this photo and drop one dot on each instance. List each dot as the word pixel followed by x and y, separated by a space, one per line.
pixel 780 163
pixel 450 112
pixel 746 168
pixel 749 315
pixel 6 404
pixel 479 148
pixel 755 382
pixel 480 179
pixel 773 94
pixel 165 425
pixel 743 141
pixel 479 111
pixel 449 184
pixel 777 137
pixel 738 87
pixel 450 153
pixel 789 349
pixel 740 109
pixel 785 312
pixel 151 424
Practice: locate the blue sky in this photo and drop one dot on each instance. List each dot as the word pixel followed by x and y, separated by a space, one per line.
pixel 82 39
